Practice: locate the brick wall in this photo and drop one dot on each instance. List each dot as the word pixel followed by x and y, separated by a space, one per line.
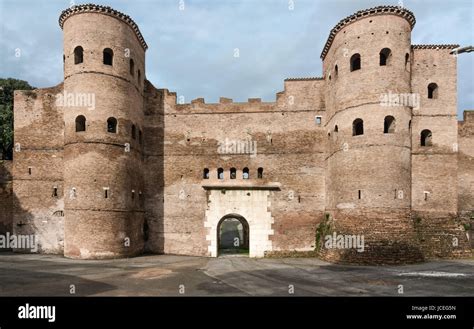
pixel 38 168
pixel 6 197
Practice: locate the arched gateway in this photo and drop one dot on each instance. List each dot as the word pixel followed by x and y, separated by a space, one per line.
pixel 233 235
pixel 239 214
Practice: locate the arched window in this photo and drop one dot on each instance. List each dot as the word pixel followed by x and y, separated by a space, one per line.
pixel 355 62
pixel 134 132
pixel 432 90
pixel 389 125
pixel 220 173
pixel 140 136
pixel 407 59
pixel 132 67
pixel 139 77
pixel 205 173
pixel 384 56
pixel 357 127
pixel 245 173
pixel 112 125
pixel 108 56
pixel 78 55
pixel 80 123
pixel 233 173
pixel 260 172
pixel 426 138
pixel 336 128
pixel 336 71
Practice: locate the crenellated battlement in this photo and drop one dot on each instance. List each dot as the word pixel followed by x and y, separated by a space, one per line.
pixel 304 79
pixel 105 10
pixel 226 105
pixel 468 118
pixel 375 11
pixel 296 94
pixel 435 47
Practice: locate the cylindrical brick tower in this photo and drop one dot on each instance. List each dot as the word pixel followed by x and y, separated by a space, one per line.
pixel 104 70
pixel 366 62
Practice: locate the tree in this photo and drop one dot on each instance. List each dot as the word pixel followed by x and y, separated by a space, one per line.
pixel 7 87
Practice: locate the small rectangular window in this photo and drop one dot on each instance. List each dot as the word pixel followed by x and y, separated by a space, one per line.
pixel 106 192
pixel 133 194
pixel 426 194
pixel 318 120
pixel 72 193
pixel 360 194
pixel 400 194
pixel 29 170
pixel 55 192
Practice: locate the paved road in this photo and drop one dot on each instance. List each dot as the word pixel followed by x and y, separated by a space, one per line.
pixel 167 275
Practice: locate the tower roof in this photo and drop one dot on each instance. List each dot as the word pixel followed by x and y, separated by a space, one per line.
pixel 105 10
pixel 380 10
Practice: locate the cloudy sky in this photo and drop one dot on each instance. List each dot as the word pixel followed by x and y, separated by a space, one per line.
pixel 191 51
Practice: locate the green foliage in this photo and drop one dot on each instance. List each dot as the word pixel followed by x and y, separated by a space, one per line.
pixel 417 220
pixel 324 228
pixel 467 226
pixel 7 87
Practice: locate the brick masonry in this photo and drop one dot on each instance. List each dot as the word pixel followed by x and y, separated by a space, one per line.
pixel 6 197
pixel 409 202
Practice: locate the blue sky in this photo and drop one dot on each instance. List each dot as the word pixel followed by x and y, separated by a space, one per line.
pixel 191 51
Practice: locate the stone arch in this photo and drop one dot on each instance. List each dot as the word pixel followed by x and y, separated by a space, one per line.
pixel 78 55
pixel 252 205
pixel 108 56
pixel 355 62
pixel 246 173
pixel 432 91
pixel 233 234
pixel 80 123
pixel 426 138
pixel 220 173
pixel 357 127
pixel 385 56
pixel 389 125
pixel 112 125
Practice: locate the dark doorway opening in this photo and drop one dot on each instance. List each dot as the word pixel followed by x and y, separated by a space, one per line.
pixel 233 236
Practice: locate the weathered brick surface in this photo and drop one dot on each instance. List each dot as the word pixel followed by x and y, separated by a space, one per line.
pixel 466 171
pixel 94 160
pixel 38 168
pixel 313 165
pixel 6 197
